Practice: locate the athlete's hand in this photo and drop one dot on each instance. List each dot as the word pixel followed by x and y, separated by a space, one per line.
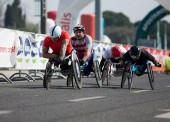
pixel 157 64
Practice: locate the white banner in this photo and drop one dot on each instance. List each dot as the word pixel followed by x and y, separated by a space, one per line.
pixel 8 48
pixel 68 12
pixel 30 53
pixel 164 3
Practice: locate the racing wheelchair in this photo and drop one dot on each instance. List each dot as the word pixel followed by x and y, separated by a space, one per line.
pixel 73 67
pixel 110 70
pixel 95 68
pixel 130 70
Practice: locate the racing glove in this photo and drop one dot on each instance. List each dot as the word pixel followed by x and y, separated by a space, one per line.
pixel 56 60
pixel 157 64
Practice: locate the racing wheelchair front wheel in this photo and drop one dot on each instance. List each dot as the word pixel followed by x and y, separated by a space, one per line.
pixel 125 73
pixel 105 72
pixel 77 73
pixel 47 76
pixel 97 73
pixel 150 75
pixel 130 76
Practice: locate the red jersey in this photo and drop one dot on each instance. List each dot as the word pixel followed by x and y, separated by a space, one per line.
pixel 56 46
pixel 80 45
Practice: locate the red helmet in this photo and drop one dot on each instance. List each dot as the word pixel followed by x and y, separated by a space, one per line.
pixel 116 51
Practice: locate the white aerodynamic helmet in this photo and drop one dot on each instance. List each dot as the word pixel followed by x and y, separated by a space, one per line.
pixel 55 31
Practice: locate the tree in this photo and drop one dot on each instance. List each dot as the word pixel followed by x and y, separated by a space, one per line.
pixel 118 27
pixel 14 17
pixel 2 4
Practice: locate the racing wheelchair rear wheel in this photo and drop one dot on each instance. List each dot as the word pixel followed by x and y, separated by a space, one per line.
pixel 150 75
pixel 77 73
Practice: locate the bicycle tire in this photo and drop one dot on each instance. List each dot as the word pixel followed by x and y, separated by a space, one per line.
pixel 150 75
pixel 125 73
pixel 97 73
pixel 105 71
pixel 77 73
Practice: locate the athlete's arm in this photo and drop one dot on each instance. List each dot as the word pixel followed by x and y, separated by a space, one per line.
pixel 87 54
pixel 64 45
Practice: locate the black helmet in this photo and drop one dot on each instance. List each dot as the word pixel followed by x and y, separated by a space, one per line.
pixel 79 27
pixel 135 52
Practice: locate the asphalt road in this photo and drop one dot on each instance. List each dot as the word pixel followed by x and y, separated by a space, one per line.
pixel 29 102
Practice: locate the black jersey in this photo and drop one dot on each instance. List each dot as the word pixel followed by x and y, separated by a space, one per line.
pixel 145 56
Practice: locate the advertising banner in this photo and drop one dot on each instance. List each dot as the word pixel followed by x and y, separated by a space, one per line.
pixel 68 12
pixel 8 48
pixel 164 3
pixel 29 55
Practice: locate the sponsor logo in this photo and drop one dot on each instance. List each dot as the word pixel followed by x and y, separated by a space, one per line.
pixel 27 47
pixel 65 21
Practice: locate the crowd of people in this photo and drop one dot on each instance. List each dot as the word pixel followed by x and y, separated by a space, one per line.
pixel 62 45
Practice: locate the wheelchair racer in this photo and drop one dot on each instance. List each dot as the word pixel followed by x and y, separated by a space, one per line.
pixel 113 53
pixel 82 43
pixel 139 57
pixel 59 42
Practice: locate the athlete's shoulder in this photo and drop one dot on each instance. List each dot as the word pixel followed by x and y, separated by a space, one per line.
pixel 87 37
pixel 47 38
pixel 64 33
pixel 73 38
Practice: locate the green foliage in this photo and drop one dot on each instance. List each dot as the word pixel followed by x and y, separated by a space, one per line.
pixel 120 30
pixel 116 19
pixel 118 27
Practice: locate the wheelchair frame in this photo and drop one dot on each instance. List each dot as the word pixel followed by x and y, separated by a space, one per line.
pixel 107 72
pixel 50 69
pixel 129 72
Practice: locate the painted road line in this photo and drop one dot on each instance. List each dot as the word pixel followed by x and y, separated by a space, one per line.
pixel 164 116
pixel 139 91
pixel 167 86
pixel 87 98
pixel 5 112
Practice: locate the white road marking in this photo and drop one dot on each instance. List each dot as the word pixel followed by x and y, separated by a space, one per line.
pixel 5 112
pixel 164 116
pixel 164 110
pixel 139 91
pixel 167 86
pixel 87 98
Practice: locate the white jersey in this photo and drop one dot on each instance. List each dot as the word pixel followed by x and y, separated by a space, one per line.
pixel 108 53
